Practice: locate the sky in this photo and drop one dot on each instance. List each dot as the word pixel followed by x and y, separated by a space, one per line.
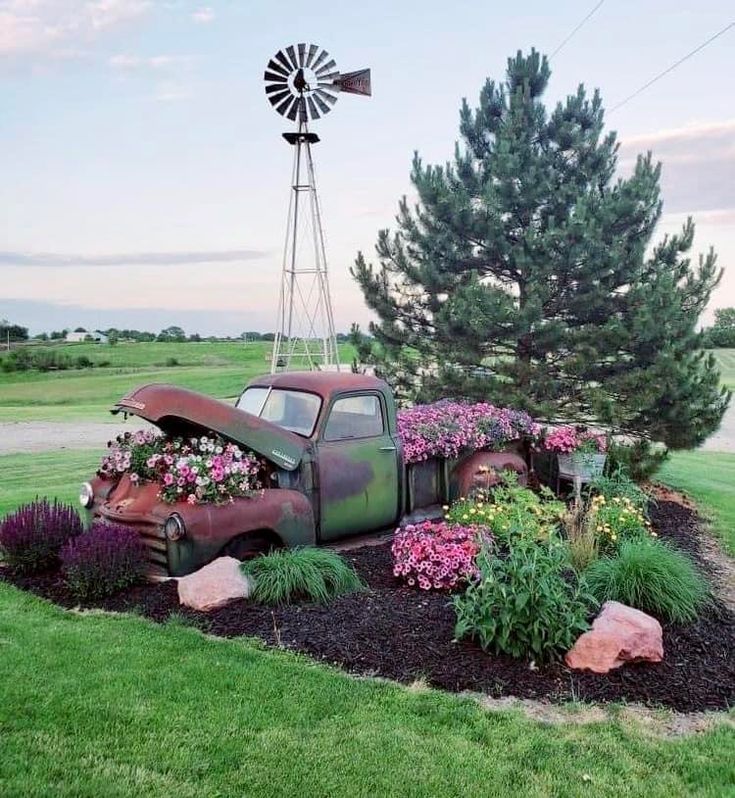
pixel 144 181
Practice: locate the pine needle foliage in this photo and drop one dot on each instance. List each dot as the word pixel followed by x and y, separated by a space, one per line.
pixel 527 274
pixel 650 576
pixel 286 576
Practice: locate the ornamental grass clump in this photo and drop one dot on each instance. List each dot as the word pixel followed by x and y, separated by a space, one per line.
pixel 652 577
pixel 286 576
pixel 32 536
pixel 525 604
pixel 436 555
pixel 104 560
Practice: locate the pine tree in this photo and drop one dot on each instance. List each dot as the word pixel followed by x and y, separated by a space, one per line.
pixel 525 275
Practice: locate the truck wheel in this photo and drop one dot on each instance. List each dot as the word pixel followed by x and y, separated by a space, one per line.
pixel 246 547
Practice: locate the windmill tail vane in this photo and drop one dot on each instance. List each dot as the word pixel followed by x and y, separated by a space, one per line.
pixel 302 83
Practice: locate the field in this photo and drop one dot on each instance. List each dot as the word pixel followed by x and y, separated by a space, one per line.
pixel 726 361
pixel 220 369
pixel 709 478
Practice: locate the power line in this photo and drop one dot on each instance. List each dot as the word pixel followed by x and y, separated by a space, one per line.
pixel 576 29
pixel 671 68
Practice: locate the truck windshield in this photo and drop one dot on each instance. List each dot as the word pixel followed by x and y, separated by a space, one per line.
pixel 295 411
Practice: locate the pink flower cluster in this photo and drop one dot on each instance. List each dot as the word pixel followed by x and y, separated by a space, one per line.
pixel 436 554
pixel 568 439
pixel 446 428
pixel 196 470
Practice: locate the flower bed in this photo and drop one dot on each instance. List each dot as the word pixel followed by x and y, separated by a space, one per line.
pixel 446 428
pixel 436 554
pixel 200 470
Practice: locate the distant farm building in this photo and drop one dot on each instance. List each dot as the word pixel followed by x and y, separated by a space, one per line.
pixel 83 335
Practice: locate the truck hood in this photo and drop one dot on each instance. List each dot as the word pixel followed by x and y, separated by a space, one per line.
pixel 170 408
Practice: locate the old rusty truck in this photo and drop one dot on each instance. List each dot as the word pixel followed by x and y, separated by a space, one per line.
pixel 332 468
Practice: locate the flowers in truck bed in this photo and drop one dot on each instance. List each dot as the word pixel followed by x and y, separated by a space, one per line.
pixel 200 470
pixel 435 554
pixel 569 439
pixel 446 428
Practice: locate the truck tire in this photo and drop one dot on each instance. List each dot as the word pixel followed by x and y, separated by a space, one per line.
pixel 250 545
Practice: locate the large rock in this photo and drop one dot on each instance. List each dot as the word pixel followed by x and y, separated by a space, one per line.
pixel 214 585
pixel 619 634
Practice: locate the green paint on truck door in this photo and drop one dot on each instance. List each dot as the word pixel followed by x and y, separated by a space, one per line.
pixel 358 468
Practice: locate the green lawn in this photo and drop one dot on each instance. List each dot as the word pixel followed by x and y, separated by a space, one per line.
pixel 217 369
pixel 52 474
pixel 709 478
pixel 726 360
pixel 108 705
pixel 96 704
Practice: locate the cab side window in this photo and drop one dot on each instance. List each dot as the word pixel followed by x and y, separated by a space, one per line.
pixel 355 417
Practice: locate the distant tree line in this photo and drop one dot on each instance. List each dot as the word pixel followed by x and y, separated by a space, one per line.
pixel 721 335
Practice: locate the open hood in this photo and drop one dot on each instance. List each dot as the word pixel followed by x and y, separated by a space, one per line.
pixel 170 408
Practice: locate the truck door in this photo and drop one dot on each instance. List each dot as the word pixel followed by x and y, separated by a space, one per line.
pixel 358 468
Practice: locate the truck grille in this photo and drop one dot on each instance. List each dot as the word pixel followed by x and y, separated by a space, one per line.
pixel 155 541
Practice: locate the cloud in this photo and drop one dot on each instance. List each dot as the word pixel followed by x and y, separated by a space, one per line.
pixel 129 62
pixel 39 29
pixel 698 161
pixel 203 15
pixel 56 260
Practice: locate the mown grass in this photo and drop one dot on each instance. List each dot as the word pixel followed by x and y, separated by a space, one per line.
pixel 108 705
pixel 96 704
pixel 52 474
pixel 726 361
pixel 709 478
pixel 219 369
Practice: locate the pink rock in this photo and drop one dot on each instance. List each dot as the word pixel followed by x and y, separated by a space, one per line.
pixel 619 634
pixel 214 585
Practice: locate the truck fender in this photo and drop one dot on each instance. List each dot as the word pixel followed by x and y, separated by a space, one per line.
pixel 482 471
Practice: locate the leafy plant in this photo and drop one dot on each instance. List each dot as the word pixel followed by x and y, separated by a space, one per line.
pixel 104 560
pixel 616 521
pixel 436 555
pixel 32 536
pixel 509 511
pixel 301 574
pixel 523 605
pixel 650 576
pixel 618 484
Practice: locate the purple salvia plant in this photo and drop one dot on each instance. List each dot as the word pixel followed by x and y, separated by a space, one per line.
pixel 32 536
pixel 104 560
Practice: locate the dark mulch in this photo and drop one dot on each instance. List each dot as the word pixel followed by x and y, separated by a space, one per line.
pixel 405 634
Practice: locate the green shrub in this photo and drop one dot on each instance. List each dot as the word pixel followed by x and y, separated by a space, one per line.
pixel 171 362
pixel 524 604
pixel 618 485
pixel 616 521
pixel 301 574
pixel 650 576
pixel 640 460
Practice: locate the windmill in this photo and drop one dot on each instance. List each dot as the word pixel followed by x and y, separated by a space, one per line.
pixel 303 83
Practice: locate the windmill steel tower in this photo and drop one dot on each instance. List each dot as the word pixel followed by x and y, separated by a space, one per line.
pixel 302 83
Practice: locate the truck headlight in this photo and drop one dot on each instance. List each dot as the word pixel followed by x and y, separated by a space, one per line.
pixel 174 528
pixel 86 495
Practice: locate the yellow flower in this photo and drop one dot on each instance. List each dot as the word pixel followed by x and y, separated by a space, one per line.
pixel 465 517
